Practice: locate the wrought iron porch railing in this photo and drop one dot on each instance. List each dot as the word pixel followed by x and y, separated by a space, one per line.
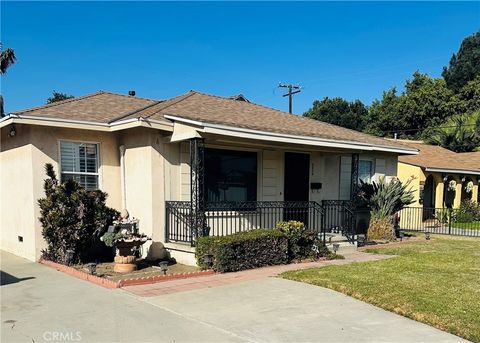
pixel 340 218
pixel 226 218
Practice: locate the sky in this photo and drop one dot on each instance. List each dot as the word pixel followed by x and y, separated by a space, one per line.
pixel 162 49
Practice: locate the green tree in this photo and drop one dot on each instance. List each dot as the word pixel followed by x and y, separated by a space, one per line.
pixel 340 112
pixel 7 58
pixel 460 133
pixel 425 102
pixel 384 114
pixel 465 64
pixel 467 100
pixel 57 96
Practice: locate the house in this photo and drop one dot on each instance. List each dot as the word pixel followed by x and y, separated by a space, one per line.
pixel 443 178
pixel 190 165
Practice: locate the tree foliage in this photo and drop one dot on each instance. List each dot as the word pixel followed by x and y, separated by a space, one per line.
pixel 7 58
pixel 425 104
pixel 460 133
pixel 72 218
pixel 340 112
pixel 465 64
pixel 57 96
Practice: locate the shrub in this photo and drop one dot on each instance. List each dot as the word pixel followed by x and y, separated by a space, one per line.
pixel 300 240
pixel 381 229
pixel 384 199
pixel 244 250
pixel 72 219
pixel 469 211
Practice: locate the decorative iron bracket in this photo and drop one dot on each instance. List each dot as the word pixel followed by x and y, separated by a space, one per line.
pixel 354 177
pixel 197 194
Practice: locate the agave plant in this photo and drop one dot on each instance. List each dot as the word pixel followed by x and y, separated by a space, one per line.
pixel 385 199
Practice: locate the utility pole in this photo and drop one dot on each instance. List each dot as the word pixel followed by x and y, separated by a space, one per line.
pixel 292 89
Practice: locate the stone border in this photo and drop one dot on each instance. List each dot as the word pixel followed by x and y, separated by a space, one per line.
pixel 80 275
pixel 121 283
pixel 163 278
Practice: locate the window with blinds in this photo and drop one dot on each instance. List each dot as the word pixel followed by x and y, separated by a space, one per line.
pixel 79 161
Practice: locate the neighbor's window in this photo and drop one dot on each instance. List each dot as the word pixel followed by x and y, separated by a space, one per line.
pixel 230 175
pixel 79 161
pixel 365 170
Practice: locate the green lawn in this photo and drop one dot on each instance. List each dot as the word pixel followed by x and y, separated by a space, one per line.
pixel 470 225
pixel 436 282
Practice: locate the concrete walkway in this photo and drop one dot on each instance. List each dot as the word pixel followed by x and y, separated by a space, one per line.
pixel 39 304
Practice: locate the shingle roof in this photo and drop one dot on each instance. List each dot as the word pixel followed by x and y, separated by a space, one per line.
pixel 106 107
pixel 432 156
pixel 230 112
pixel 100 107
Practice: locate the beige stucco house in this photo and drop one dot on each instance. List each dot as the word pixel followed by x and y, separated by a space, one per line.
pixel 224 160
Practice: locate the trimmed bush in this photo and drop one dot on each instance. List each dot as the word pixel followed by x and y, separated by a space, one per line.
pixel 300 240
pixel 243 250
pixel 73 219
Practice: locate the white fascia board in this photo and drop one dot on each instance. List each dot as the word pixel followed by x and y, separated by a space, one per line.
pixel 84 125
pixel 5 121
pixel 452 171
pixel 137 122
pixel 57 122
pixel 286 138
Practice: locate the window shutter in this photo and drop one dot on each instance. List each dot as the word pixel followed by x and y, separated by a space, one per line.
pixel 68 155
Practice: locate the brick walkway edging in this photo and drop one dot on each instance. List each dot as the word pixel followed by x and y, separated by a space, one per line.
pixel 121 283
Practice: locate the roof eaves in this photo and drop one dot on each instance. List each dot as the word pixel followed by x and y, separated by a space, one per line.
pixel 359 145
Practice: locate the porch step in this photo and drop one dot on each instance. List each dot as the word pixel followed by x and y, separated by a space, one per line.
pixel 343 248
pixel 182 253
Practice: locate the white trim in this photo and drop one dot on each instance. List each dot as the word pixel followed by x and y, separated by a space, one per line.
pixel 287 138
pixel 98 174
pixel 452 171
pixel 85 125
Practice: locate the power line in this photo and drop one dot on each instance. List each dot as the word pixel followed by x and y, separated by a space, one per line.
pixel 292 89
pixel 438 127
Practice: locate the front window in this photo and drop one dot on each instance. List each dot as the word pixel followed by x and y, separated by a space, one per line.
pixel 79 161
pixel 365 171
pixel 230 175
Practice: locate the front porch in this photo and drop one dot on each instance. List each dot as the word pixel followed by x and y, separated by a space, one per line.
pixel 226 218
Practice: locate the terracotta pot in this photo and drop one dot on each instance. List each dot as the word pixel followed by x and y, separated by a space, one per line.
pixel 124 259
pixel 124 267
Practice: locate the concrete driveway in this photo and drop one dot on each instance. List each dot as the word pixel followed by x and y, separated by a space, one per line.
pixel 39 304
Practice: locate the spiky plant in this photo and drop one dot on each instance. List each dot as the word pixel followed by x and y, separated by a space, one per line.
pixel 385 199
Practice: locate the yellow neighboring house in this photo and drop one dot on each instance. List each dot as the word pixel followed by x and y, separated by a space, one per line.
pixel 443 178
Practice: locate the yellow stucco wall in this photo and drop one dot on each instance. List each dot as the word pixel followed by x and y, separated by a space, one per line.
pixel 405 171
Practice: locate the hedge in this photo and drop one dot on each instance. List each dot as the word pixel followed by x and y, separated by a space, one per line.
pixel 243 250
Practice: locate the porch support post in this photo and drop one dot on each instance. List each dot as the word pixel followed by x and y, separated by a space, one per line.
pixel 197 200
pixel 354 177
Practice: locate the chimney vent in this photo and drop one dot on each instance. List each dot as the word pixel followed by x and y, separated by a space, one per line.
pixel 131 93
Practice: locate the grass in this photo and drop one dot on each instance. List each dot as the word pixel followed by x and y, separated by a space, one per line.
pixel 436 282
pixel 470 225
